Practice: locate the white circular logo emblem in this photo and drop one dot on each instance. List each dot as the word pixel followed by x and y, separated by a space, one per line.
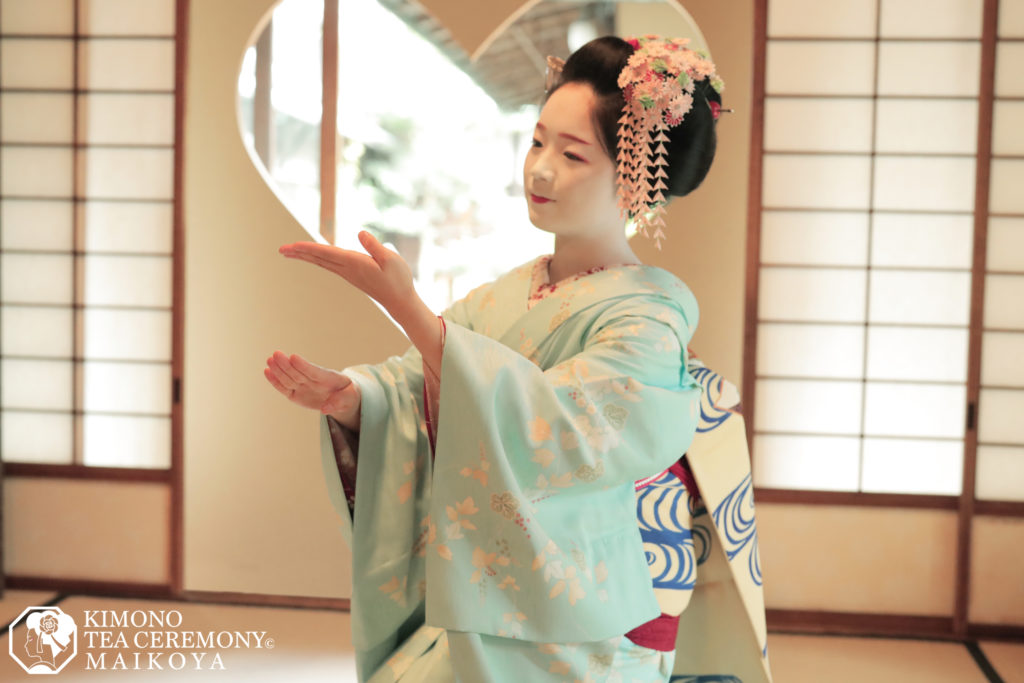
pixel 43 640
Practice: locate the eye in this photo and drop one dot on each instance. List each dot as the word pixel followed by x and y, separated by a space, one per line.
pixel 574 157
pixel 536 143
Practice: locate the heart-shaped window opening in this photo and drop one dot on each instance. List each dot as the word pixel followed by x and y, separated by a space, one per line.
pixel 429 144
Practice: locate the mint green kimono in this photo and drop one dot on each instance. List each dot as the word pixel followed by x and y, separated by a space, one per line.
pixel 516 544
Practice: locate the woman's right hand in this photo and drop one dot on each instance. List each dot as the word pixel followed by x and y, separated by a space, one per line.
pixel 311 386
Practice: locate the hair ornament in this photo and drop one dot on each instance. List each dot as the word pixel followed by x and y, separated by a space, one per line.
pixel 657 84
pixel 554 72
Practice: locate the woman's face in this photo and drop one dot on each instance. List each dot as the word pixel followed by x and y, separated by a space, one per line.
pixel 568 177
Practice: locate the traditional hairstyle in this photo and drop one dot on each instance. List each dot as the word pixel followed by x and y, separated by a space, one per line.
pixel 678 134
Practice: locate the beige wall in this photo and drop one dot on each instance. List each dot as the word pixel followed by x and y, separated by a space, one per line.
pixel 256 515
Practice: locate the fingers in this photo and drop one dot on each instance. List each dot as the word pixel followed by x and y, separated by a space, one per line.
pixel 313 253
pixel 315 373
pixel 344 262
pixel 378 251
pixel 285 373
pixel 269 374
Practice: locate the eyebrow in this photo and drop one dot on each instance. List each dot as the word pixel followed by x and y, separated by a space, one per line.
pixel 565 135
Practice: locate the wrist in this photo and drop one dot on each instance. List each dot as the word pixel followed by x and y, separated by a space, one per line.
pixel 411 313
pixel 348 419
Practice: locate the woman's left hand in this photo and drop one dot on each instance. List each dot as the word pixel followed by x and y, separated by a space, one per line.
pixel 383 274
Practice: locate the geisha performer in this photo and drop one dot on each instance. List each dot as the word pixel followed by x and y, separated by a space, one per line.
pixel 514 487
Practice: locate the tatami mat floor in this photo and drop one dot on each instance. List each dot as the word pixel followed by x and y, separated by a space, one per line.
pixel 314 645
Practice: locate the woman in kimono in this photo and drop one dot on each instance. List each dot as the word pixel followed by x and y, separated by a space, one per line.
pixel 489 477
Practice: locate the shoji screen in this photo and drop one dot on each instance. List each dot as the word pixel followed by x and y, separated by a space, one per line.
pixel 86 199
pixel 867 208
pixel 1000 428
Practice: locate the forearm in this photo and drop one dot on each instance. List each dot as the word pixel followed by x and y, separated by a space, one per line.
pixel 424 330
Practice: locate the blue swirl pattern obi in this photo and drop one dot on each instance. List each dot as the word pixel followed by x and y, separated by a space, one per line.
pixel 699 533
pixel 674 545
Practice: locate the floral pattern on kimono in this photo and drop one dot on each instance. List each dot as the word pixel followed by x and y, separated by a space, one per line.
pixel 587 383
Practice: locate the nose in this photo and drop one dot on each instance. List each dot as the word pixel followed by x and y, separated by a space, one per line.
pixel 541 169
pixel 542 175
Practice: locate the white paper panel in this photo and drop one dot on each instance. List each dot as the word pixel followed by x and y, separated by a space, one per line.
pixel 808 406
pixel 28 331
pixel 127 387
pixel 36 64
pixel 1002 359
pixel 127 17
pixel 1008 128
pixel 924 183
pixel 925 410
pixel 814 238
pixel 928 68
pixel 912 466
pixel 999 416
pixel 931 19
pixel 127 334
pixel 1011 19
pixel 835 351
pixel 39 17
pixel 936 126
pixel 816 182
pixel 121 119
pixel 35 172
pixel 1007 179
pixel 1009 75
pixel 920 297
pixel 813 18
pixel 36 437
pixel 828 125
pixel 126 226
pixel 1005 244
pixel 126 280
pixel 127 173
pixel 126 64
pixel 36 278
pixel 1004 302
pixel 1000 473
pixel 40 384
pixel 36 117
pixel 908 353
pixel 112 441
pixel 813 294
pixel 38 225
pixel 806 462
pixel 820 68
pixel 922 240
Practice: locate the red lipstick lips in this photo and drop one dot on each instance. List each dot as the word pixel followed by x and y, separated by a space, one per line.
pixel 539 200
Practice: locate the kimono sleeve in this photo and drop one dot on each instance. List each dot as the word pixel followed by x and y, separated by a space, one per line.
pixel 391 417
pixel 541 463
pixel 384 528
